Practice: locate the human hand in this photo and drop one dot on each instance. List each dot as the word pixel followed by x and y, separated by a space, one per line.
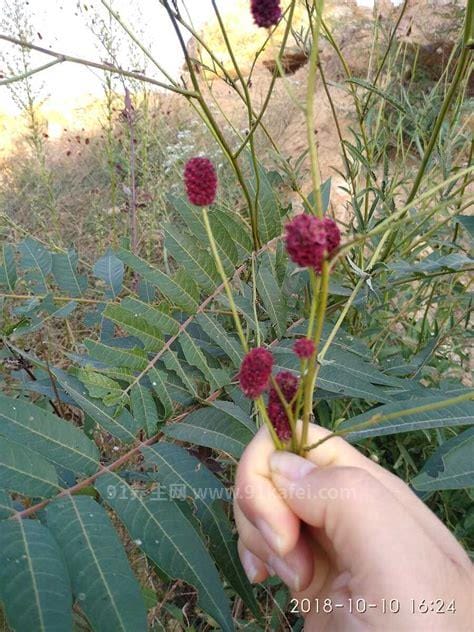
pixel 338 528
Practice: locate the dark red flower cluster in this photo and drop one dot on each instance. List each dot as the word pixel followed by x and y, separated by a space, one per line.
pixel 200 180
pixel 266 13
pixel 304 348
pixel 288 384
pixel 255 372
pixel 310 240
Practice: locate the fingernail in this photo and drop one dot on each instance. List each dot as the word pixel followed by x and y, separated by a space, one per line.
pixel 249 562
pixel 285 572
pixel 290 466
pixel 271 537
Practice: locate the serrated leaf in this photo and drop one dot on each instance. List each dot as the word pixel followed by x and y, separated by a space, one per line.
pixel 450 467
pixel 110 270
pixel 456 415
pixel 135 325
pixel 212 428
pixel 223 237
pixel 162 531
pixel 237 228
pixel 269 220
pixel 102 581
pixel 8 275
pixel 135 358
pixel 158 382
pixel 37 261
pixel 236 413
pixel 35 589
pixel 187 252
pixel 228 343
pixel 194 220
pixel 175 293
pixel 273 299
pixel 51 311
pixel 64 269
pixel 24 472
pixel 467 222
pixel 144 409
pixel 57 440
pixel 175 467
pixel 195 357
pixel 154 315
pixel 99 385
pixel 121 425
pixel 172 363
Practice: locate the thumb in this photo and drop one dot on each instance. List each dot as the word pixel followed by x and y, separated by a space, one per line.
pixel 365 523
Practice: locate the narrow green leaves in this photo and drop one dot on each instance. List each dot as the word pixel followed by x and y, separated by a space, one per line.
pixel 136 325
pixel 162 530
pixel 8 275
pixel 176 469
pixel 144 409
pixel 213 428
pixel 37 262
pixel 219 335
pixel 450 467
pixel 25 472
pixel 272 298
pixel 110 270
pixel 102 581
pixel 64 269
pixel 158 383
pixel 35 589
pixel 44 433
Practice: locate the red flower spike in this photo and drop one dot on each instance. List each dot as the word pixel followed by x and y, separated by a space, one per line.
pixel 200 180
pixel 266 13
pixel 255 372
pixel 288 384
pixel 310 240
pixel 304 348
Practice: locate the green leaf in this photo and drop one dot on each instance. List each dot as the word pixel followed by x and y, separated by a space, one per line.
pixel 64 268
pixel 212 428
pixel 237 228
pixel 229 344
pixel 172 290
pixel 144 409
pixel 51 311
pixel 273 299
pixel 269 220
pixel 35 590
pixel 467 222
pixel 450 467
pixel 41 431
pixel 236 413
pixel 456 415
pixel 172 363
pixel 176 469
pixel 8 274
pixel 24 472
pixel 99 386
pixel 381 93
pixel 153 315
pixel 160 528
pixel 194 220
pixel 102 581
pixel 135 359
pixel 123 425
pixel 6 506
pixel 158 382
pixel 37 260
pixel 135 325
pixel 110 270
pixel 195 357
pixel 198 263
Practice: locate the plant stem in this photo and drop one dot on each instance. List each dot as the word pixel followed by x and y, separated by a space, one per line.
pixel 311 88
pixel 377 418
pixel 225 282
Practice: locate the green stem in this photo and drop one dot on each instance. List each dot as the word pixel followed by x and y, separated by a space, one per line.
pixel 288 410
pixel 377 418
pixel 263 412
pixel 225 282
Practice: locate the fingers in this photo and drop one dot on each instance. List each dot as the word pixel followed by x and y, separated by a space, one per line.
pixel 259 500
pixel 295 568
pixel 254 568
pixel 337 451
pixel 356 511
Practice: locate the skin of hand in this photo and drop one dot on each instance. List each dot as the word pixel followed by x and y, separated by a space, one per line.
pixel 338 527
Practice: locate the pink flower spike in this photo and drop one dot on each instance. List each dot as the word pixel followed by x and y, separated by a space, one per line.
pixel 304 348
pixel 288 384
pixel 255 372
pixel 310 240
pixel 200 180
pixel 266 13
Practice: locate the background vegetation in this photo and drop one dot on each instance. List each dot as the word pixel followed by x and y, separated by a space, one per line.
pixel 118 356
